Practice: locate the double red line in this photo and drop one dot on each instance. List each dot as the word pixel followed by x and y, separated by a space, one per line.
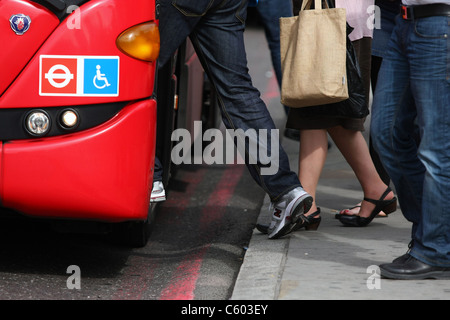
pixel 184 279
pixel 141 270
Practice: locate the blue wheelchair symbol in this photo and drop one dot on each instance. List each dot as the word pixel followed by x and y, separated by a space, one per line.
pixel 101 76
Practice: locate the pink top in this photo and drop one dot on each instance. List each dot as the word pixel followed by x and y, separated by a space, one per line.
pixel 360 16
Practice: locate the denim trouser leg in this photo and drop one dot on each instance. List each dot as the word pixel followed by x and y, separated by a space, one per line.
pixel 217 35
pixel 417 67
pixel 405 142
pixel 158 173
pixel 393 110
pixel 270 12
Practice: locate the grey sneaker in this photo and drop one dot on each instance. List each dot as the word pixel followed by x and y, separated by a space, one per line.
pixel 287 210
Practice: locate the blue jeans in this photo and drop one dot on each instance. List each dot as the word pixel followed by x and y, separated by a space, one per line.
pixel 413 91
pixel 388 12
pixel 158 172
pixel 270 12
pixel 216 29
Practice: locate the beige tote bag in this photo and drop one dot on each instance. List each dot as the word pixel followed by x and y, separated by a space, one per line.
pixel 313 56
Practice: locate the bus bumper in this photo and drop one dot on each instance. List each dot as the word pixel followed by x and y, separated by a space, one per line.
pixel 104 173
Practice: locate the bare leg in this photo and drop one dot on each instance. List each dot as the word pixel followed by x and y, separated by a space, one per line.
pixel 312 156
pixel 354 148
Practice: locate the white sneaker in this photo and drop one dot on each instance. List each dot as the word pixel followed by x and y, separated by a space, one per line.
pixel 158 192
pixel 287 210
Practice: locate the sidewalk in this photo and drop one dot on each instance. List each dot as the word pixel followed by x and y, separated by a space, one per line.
pixel 334 262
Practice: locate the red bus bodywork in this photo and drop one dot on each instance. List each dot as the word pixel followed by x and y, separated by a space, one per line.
pixel 103 172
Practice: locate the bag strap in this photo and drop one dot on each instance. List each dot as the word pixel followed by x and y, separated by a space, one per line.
pixel 306 5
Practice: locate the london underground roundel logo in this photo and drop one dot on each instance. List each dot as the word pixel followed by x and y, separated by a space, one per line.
pixel 59 72
pixel 59 75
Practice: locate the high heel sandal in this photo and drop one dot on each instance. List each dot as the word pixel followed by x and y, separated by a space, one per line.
pixel 387 206
pixel 337 215
pixel 309 222
pixel 263 228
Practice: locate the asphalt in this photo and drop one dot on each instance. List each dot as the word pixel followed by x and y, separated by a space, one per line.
pixel 334 262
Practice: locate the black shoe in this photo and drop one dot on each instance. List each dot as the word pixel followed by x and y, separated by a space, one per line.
pixel 387 206
pixel 413 269
pixel 263 228
pixel 405 256
pixel 309 222
pixel 401 259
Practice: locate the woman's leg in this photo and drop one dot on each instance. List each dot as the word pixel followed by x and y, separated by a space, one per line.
pixel 312 156
pixel 354 148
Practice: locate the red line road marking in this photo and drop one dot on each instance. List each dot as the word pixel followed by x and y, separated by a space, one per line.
pixel 182 283
pixel 140 271
pixel 184 280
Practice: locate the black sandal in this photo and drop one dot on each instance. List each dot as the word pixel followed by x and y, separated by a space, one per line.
pixel 337 215
pixel 309 222
pixel 387 206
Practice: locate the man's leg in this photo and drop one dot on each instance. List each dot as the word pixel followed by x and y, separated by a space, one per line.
pixel 219 43
pixel 391 111
pixel 218 40
pixel 430 86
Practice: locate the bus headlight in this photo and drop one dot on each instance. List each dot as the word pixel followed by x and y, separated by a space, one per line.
pixel 69 119
pixel 37 123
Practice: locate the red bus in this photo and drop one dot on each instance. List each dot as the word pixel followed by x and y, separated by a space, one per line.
pixel 83 109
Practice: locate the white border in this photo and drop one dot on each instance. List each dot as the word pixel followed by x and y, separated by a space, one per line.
pixel 80 76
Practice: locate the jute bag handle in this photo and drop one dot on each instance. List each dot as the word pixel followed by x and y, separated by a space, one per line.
pixel 306 4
